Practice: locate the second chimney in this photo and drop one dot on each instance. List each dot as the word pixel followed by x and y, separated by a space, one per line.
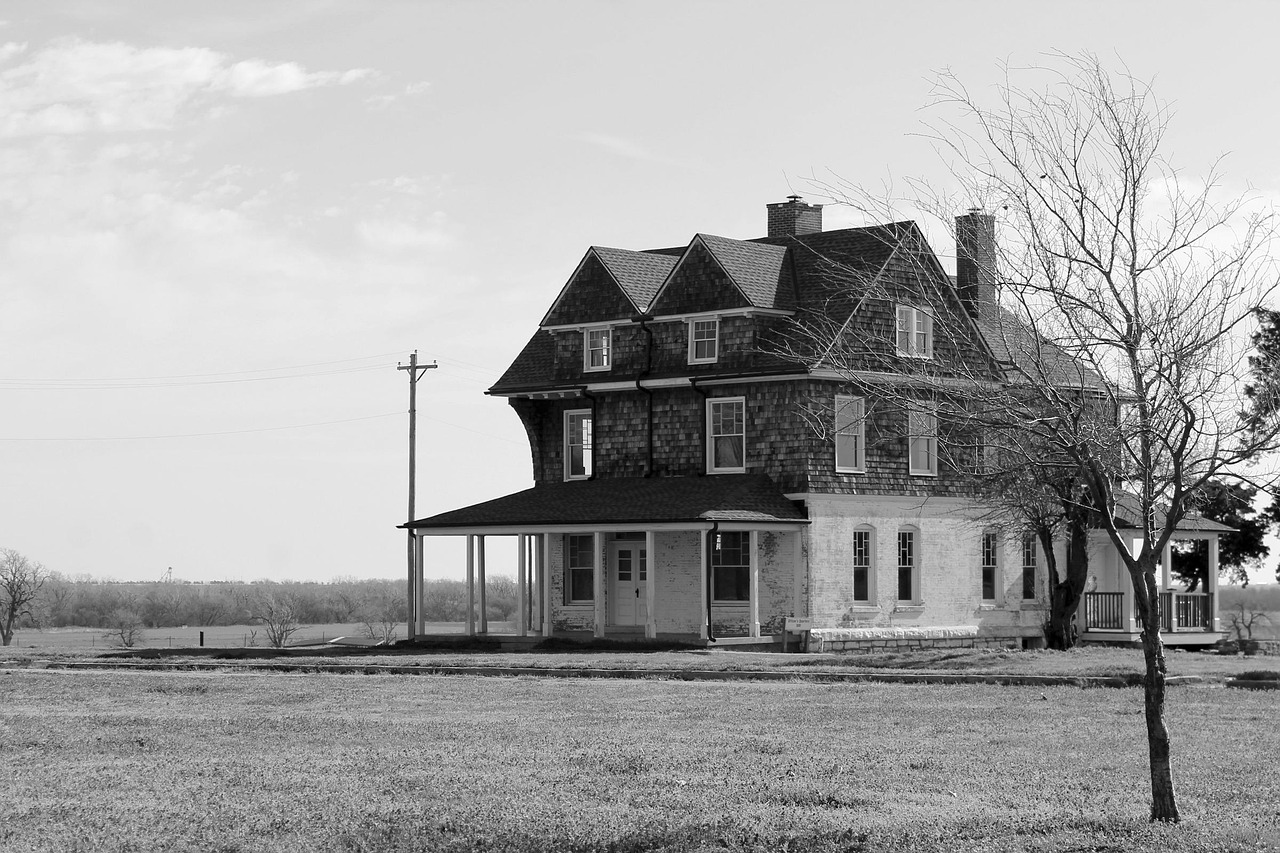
pixel 793 217
pixel 976 263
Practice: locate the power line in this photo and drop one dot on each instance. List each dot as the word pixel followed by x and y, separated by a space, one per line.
pixel 109 383
pixel 207 434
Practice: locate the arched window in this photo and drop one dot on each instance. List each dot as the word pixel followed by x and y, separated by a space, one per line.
pixel 990 565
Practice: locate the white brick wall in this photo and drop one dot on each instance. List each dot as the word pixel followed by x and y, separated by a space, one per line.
pixel 948 555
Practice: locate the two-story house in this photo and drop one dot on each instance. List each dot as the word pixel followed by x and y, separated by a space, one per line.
pixel 701 471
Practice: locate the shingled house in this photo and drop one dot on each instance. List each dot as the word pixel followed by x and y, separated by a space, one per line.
pixel 686 486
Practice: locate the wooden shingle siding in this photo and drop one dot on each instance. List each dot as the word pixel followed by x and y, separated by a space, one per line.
pixel 699 284
pixel 592 296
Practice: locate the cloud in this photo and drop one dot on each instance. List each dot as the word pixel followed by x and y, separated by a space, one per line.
pixel 621 147
pixel 9 50
pixel 72 86
pixel 397 234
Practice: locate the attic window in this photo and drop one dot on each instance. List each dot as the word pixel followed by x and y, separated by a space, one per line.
pixel 704 341
pixel 598 349
pixel 915 332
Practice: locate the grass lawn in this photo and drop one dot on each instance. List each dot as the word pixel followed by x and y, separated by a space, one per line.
pixel 231 761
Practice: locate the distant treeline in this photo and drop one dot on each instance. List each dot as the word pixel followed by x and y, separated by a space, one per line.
pixel 84 603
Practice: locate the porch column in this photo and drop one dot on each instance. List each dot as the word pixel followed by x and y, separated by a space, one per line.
pixel 471 585
pixel 546 584
pixel 1215 623
pixel 1166 560
pixel 597 581
pixel 753 562
pixel 421 620
pixel 522 582
pixel 1129 602
pixel 702 585
pixel 651 618
pixel 535 584
pixel 484 592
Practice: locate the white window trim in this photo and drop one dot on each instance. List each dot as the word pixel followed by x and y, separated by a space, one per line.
pixel 711 436
pixel 568 474
pixel 994 565
pixel 917 598
pixel 586 349
pixel 914 317
pixel 692 322
pixel 871 567
pixel 922 410
pixel 859 465
pixel 569 570
pixel 1033 564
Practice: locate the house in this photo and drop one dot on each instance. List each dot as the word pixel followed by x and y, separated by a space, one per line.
pixel 700 475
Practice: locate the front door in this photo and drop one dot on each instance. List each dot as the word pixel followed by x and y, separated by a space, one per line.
pixel 629 577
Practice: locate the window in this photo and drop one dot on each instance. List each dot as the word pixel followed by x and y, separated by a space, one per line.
pixel 731 567
pixel 1029 568
pixel 990 562
pixel 850 434
pixel 580 568
pixel 599 349
pixel 726 433
pixel 862 571
pixel 922 439
pixel 704 341
pixel 915 332
pixel 908 567
pixel 577 445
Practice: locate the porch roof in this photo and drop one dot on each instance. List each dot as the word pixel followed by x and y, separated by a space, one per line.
pixel 1129 515
pixel 629 500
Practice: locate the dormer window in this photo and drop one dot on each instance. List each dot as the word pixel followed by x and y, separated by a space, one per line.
pixel 598 349
pixel 915 332
pixel 704 341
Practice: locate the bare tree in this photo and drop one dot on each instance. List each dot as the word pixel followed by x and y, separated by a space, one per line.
pixel 125 627
pixel 382 613
pixel 1119 322
pixel 278 615
pixel 20 583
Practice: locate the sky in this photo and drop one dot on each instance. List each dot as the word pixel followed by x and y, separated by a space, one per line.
pixel 223 225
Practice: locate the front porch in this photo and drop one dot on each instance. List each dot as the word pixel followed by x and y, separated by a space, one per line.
pixel 700 560
pixel 1188 617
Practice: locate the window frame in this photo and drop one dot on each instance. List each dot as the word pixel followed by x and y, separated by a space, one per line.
pixel 916 324
pixel 856 428
pixel 588 445
pixel 741 580
pixel 713 404
pixel 692 327
pixel 588 349
pixel 989 580
pixel 864 561
pixel 911 567
pixel 1030 567
pixel 570 552
pixel 926 432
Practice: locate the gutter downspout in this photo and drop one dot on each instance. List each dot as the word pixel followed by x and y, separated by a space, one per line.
pixel 702 429
pixel 648 368
pixel 715 531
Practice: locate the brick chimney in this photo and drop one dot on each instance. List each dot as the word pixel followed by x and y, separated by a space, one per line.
pixel 976 263
pixel 793 217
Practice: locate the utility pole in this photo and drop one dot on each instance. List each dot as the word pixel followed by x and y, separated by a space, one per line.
pixel 415 372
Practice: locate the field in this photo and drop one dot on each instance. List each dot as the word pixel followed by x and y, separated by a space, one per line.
pixel 236 761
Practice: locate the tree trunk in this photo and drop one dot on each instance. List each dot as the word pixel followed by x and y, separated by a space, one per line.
pixel 1065 593
pixel 1164 805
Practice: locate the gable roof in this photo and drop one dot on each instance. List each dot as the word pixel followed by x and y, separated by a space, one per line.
pixel 757 272
pixel 639 274
pixel 629 500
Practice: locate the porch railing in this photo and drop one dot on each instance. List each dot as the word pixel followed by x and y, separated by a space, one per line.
pixel 1104 610
pixel 1186 611
pixel 1179 611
